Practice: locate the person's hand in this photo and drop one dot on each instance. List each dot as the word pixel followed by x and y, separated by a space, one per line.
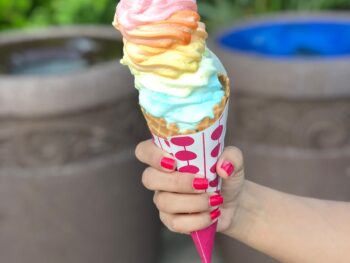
pixel 183 204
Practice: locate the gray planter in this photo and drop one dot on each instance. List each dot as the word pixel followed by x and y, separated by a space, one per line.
pixel 70 186
pixel 291 117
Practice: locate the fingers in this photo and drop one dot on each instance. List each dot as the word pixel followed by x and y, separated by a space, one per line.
pixel 175 182
pixel 148 153
pixel 189 223
pixel 230 163
pixel 174 203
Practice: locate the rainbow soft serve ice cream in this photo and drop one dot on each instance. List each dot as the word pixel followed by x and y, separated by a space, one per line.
pixel 165 49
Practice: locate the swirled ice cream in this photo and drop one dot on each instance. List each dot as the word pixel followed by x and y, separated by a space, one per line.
pixel 165 49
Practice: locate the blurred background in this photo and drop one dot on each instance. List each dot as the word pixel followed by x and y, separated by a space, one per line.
pixel 70 186
pixel 38 13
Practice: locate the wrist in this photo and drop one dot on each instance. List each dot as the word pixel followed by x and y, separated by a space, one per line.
pixel 247 213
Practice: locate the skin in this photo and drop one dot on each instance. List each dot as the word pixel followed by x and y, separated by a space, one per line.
pixel 286 227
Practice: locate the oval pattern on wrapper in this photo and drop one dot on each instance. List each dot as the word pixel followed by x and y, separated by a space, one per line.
pixel 183 141
pixel 185 155
pixel 215 151
pixel 217 133
pixel 215 182
pixel 189 169
pixel 213 168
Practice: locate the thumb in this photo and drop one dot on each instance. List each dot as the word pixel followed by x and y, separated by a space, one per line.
pixel 230 163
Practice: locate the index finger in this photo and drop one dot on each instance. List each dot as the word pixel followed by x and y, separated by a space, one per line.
pixel 147 152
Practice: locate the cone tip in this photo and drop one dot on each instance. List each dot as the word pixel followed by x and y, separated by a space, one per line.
pixel 204 242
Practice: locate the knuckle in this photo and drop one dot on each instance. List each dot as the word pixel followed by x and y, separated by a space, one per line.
pixel 164 220
pixel 155 159
pixel 162 217
pixel 176 225
pixel 205 204
pixel 138 151
pixel 239 174
pixel 236 154
pixel 146 178
pixel 160 202
pixel 177 182
pixel 155 198
pixel 232 150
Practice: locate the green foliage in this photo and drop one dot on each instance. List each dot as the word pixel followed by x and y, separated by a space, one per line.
pixel 33 13
pixel 11 13
pixel 219 12
pixel 77 11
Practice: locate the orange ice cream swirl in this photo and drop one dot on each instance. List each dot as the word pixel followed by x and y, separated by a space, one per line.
pixel 168 48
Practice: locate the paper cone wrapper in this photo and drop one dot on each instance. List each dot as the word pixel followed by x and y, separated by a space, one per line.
pixel 198 153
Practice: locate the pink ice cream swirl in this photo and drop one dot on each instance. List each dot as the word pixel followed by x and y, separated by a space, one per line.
pixel 133 13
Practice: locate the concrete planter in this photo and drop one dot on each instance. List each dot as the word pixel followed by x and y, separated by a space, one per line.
pixel 291 117
pixel 70 187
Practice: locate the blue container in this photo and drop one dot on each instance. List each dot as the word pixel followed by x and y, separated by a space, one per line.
pixel 292 56
pixel 291 39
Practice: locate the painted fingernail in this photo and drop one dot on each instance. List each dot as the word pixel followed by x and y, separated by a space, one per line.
pixel 167 163
pixel 216 200
pixel 215 214
pixel 200 183
pixel 228 167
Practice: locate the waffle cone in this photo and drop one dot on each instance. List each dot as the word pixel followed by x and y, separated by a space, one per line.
pixel 161 128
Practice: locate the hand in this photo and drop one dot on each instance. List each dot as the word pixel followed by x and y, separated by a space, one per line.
pixel 182 207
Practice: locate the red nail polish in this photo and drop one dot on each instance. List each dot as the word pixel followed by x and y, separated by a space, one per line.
pixel 200 183
pixel 167 163
pixel 216 200
pixel 228 167
pixel 215 214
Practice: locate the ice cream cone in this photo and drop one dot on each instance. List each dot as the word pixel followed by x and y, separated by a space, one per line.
pixel 181 97
pixel 197 152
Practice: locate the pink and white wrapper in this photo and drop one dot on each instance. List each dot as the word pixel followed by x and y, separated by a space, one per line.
pixel 198 153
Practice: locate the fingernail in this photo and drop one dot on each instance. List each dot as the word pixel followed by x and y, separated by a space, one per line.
pixel 228 167
pixel 167 163
pixel 200 183
pixel 216 200
pixel 215 214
